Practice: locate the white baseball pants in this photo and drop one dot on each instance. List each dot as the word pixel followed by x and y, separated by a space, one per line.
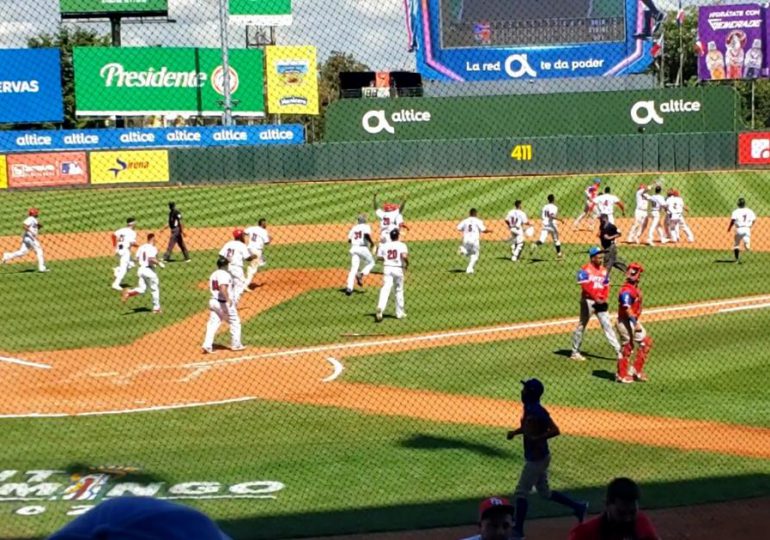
pixel 388 281
pixel 220 312
pixel 28 244
pixel 641 220
pixel 124 265
pixel 588 308
pixel 358 254
pixel 148 278
pixel 239 281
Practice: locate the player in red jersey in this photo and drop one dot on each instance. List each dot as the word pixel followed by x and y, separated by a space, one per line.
pixel 630 329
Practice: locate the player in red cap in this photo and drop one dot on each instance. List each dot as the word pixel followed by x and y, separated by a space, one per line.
pixel 630 329
pixel 495 520
pixel 237 253
pixel 641 214
pixel 589 208
pixel 390 216
pixel 29 241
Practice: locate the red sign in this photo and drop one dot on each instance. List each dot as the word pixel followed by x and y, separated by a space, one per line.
pixel 47 170
pixel 754 148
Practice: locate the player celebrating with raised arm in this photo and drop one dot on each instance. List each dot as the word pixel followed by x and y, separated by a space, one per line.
pixel 657 205
pixel 606 203
pixel 516 220
pixel 589 209
pixel 258 238
pixel 236 253
pixel 676 210
pixel 472 228
pixel 390 216
pixel 641 215
pixel 361 245
pixel 395 258
pixel 222 307
pixel 594 281
pixel 537 427
pixel 29 241
pixel 123 240
pixel 630 329
pixel 743 219
pixel 550 226
pixel 147 256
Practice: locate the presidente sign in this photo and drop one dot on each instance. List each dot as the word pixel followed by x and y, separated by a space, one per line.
pixel 30 85
pixel 541 115
pixel 262 12
pixel 105 139
pixel 168 81
pixel 101 8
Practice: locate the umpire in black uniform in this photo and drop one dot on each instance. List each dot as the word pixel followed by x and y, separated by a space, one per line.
pixel 177 233
pixel 608 233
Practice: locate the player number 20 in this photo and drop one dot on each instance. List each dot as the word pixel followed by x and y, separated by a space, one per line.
pixel 522 152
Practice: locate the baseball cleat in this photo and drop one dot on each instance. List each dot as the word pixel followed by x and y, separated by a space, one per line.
pixel 157 311
pixel 469 271
pixel 624 380
pixel 238 348
pixel 402 316
pixel 44 270
pixel 348 292
pixel 188 260
pixel 207 350
pixel 360 280
pixel 117 288
pixel 582 512
pixel 641 377
pixel 378 315
pixel 577 357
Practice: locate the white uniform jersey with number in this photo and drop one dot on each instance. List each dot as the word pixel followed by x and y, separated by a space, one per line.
pixel 675 206
pixel 32 227
pixel 220 277
pixel 743 218
pixel 235 252
pixel 606 203
pixel 357 235
pixel 642 204
pixel 657 202
pixel 516 218
pixel 471 227
pixel 389 220
pixel 549 215
pixel 124 238
pixel 391 253
pixel 258 237
pixel 145 253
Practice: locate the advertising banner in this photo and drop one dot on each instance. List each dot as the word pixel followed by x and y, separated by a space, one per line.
pixel 183 137
pixel 3 173
pixel 47 170
pixel 262 12
pixel 173 81
pixel 674 110
pixel 754 148
pixel 292 80
pixel 30 86
pixel 129 167
pixel 731 42
pixel 100 8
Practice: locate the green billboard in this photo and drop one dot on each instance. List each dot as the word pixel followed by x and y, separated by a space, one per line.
pixel 675 110
pixel 165 81
pixel 262 12
pixel 101 8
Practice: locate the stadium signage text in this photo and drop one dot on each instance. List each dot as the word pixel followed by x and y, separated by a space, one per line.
pixel 377 121
pixel 30 85
pixel 116 74
pixel 644 112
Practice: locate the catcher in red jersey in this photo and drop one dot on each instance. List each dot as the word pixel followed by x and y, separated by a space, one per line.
pixel 630 328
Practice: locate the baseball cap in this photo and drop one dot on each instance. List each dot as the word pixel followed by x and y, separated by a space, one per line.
pixel 494 503
pixel 130 220
pixel 595 251
pixel 389 207
pixel 597 180
pixel 534 386
pixel 237 233
pixel 141 518
pixel 33 211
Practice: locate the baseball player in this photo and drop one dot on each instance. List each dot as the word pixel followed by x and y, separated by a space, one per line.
pixel 222 307
pixel 630 329
pixel 147 257
pixel 123 240
pixel 516 221
pixel 395 258
pixel 606 203
pixel 472 228
pixel 390 216
pixel 743 219
pixel 361 245
pixel 641 215
pixel 550 226
pixel 676 210
pixel 657 205
pixel 236 253
pixel 589 208
pixel 258 238
pixel 29 240
pixel 594 280
pixel 537 427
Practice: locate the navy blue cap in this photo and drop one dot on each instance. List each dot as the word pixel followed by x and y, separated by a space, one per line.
pixel 534 386
pixel 595 251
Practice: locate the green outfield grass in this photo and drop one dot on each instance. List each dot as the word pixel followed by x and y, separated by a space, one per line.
pixel 707 194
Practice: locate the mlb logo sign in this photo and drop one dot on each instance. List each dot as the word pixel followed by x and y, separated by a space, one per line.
pixel 71 168
pixel 482 33
pixel 754 148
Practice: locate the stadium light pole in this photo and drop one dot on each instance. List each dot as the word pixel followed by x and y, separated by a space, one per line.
pixel 227 118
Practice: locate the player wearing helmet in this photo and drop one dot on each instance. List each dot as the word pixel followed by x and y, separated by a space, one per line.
pixel 237 253
pixel 630 328
pixel 29 241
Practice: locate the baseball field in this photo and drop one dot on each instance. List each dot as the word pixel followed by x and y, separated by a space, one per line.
pixel 330 423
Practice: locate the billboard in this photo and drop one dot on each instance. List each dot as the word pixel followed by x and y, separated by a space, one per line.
pixel 80 9
pixel 754 148
pixel 471 40
pixel 3 173
pixel 47 170
pixel 262 12
pixel 673 110
pixel 30 86
pixel 169 81
pixel 732 42
pixel 292 80
pixel 129 167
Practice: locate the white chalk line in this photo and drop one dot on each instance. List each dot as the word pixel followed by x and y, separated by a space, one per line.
pixel 338 368
pixel 25 363
pixel 744 308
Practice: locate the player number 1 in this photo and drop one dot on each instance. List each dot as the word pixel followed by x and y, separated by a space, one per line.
pixel 522 152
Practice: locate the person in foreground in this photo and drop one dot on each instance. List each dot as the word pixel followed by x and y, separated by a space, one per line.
pixel 495 520
pixel 537 427
pixel 141 518
pixel 621 519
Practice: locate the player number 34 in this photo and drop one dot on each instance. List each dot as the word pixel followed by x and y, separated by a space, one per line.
pixel 522 152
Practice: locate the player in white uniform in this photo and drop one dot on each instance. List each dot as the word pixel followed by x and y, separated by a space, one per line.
pixel 550 226
pixel 743 219
pixel 641 215
pixel 390 216
pixel 606 203
pixel 472 228
pixel 222 307
pixel 516 221
pixel 236 253
pixel 147 257
pixel 657 205
pixel 258 238
pixel 589 208
pixel 361 244
pixel 676 210
pixel 123 240
pixel 29 241
pixel 395 258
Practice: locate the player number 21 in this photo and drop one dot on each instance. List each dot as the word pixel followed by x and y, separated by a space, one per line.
pixel 522 152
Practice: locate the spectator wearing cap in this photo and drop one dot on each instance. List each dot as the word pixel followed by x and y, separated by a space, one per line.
pixel 141 518
pixel 608 233
pixel 621 518
pixel 537 427
pixel 495 520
